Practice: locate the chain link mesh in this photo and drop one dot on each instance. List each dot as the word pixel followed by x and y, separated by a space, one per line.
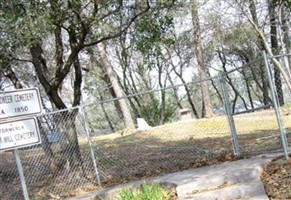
pixel 55 168
pixel 176 136
pixel 171 143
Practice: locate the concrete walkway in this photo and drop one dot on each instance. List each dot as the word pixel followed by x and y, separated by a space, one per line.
pixel 231 180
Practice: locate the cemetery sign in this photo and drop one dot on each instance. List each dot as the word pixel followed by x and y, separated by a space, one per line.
pixel 19 103
pixel 19 133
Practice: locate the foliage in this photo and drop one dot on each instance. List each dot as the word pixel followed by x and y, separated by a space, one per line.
pixel 151 111
pixel 24 22
pixel 145 192
pixel 98 120
pixel 287 106
pixel 286 2
pixel 154 30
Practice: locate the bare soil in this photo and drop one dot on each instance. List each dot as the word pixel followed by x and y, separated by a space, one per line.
pixel 277 179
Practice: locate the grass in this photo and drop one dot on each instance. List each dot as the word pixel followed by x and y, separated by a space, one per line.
pixel 105 162
pixel 159 150
pixel 145 192
pixel 183 144
pixel 216 127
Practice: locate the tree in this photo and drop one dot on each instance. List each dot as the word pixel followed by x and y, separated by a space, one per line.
pixel 129 123
pixel 207 105
pixel 233 42
pixel 183 63
pixel 267 46
pixel 72 26
pixel 262 71
pixel 275 48
pixel 153 35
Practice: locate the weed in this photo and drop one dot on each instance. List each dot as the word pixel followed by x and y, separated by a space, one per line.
pixel 145 192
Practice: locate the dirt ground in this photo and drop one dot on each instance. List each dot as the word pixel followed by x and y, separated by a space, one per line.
pixel 277 179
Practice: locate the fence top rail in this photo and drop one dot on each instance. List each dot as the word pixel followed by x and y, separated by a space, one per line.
pixel 254 61
pixel 243 66
pixel 129 96
pixel 254 109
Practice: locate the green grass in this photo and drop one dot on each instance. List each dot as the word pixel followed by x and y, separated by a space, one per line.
pixel 145 192
pixel 287 106
pixel 105 162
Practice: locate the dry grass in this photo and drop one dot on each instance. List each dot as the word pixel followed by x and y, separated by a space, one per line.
pixel 125 155
pixel 215 127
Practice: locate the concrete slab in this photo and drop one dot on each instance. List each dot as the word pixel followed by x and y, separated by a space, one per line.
pixel 248 190
pixel 231 180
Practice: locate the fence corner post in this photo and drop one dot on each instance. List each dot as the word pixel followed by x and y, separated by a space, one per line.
pixel 276 107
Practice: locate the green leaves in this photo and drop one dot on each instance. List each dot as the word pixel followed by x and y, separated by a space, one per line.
pixel 286 2
pixel 153 31
pixel 145 192
pixel 152 109
pixel 24 22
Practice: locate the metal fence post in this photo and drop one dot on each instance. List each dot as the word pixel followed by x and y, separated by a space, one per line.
pixel 276 107
pixel 227 106
pixel 21 174
pixel 90 144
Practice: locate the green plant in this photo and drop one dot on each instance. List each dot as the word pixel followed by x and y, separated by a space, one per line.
pixel 145 192
pixel 152 111
pixel 287 106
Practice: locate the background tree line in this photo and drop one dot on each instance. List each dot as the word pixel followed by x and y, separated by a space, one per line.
pixel 98 49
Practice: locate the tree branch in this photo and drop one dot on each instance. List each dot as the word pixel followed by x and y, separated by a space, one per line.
pixel 119 33
pixel 9 73
pixel 267 46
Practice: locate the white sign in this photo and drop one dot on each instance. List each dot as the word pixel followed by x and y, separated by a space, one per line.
pixel 19 133
pixel 19 103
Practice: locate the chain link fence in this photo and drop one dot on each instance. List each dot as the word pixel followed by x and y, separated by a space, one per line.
pixel 259 121
pixel 168 139
pixel 58 167
pixel 255 120
pixel 90 146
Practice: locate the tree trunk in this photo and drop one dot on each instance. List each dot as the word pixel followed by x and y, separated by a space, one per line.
pixel 286 23
pixel 9 73
pixel 199 52
pixel 284 35
pixel 214 85
pixel 124 60
pixel 275 50
pixel 111 90
pixel 248 88
pixel 129 123
pixel 267 46
pixel 175 91
pixel 105 112
pixel 262 70
pixel 188 95
pixel 162 93
pixel 229 81
pixel 69 136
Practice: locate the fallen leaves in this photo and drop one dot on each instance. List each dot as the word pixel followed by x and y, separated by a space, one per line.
pixel 277 179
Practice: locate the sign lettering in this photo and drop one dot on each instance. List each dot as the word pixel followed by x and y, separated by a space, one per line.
pixel 19 133
pixel 19 103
